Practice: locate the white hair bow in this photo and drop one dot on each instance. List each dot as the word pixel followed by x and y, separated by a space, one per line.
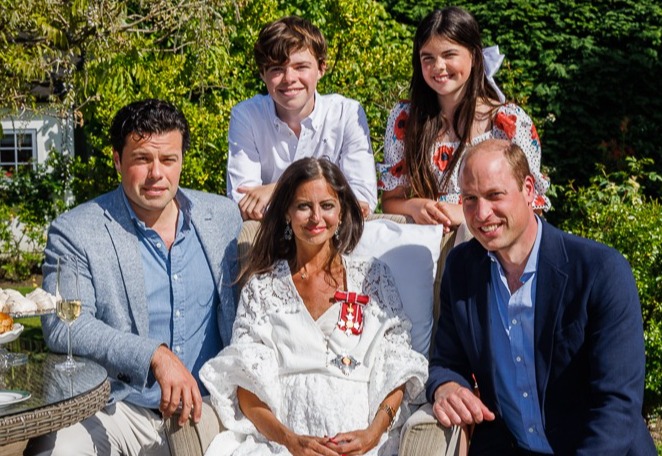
pixel 493 60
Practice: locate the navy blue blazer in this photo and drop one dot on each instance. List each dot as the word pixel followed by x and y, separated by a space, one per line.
pixel 588 343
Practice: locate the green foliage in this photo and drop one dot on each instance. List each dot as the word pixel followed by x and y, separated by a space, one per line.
pixel 21 252
pixel 29 200
pixel 614 210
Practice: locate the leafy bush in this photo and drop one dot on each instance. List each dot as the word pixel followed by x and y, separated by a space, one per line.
pixel 614 210
pixel 29 200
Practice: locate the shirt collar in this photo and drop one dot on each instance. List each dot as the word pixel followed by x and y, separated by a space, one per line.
pixel 532 262
pixel 185 205
pixel 314 121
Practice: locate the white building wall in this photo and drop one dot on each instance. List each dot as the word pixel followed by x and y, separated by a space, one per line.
pixel 52 131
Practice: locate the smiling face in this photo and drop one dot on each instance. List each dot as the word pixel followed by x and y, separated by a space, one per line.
pixel 446 67
pixel 497 210
pixel 292 85
pixel 314 214
pixel 150 169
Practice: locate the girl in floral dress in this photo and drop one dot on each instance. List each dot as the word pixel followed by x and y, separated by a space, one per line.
pixel 454 104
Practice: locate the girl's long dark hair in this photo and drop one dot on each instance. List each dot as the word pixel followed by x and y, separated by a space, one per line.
pixel 270 244
pixel 425 116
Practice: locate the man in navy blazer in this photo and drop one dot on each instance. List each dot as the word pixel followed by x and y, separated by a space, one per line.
pixel 156 264
pixel 540 342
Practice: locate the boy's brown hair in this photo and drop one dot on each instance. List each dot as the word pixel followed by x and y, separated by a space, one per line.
pixel 279 39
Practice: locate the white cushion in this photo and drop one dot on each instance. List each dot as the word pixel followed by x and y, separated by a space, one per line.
pixel 411 252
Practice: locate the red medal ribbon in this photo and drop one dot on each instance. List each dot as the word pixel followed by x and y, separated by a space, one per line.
pixel 350 319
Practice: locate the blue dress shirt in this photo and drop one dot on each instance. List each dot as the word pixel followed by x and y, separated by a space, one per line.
pixel 512 340
pixel 181 298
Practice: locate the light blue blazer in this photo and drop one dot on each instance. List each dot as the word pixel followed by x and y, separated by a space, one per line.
pixel 113 326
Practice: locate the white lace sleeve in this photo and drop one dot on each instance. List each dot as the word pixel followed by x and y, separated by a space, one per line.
pixel 396 363
pixel 246 362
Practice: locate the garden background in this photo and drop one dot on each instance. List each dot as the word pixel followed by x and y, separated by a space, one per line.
pixel 588 72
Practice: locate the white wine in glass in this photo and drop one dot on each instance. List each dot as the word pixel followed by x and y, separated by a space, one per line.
pixel 68 310
pixel 68 304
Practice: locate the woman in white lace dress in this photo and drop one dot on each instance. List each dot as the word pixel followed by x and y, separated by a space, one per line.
pixel 320 361
pixel 454 104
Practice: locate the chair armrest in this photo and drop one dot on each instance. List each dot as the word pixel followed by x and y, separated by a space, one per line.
pixel 193 439
pixel 422 434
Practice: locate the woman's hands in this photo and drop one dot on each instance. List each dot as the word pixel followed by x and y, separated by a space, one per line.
pixel 269 426
pixel 355 442
pixel 304 445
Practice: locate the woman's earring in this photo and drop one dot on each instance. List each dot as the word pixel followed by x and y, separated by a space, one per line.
pixel 288 232
pixel 337 233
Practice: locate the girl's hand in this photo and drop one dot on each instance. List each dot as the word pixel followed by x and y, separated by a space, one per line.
pixel 425 211
pixel 452 214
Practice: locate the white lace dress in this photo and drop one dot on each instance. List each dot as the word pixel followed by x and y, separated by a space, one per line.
pixel 287 359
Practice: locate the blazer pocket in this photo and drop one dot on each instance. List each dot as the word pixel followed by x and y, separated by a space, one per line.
pixel 567 342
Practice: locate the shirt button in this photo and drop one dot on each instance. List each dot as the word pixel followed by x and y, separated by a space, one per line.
pixel 518 359
pixel 158 245
pixel 177 313
pixel 525 394
pixel 514 321
pixel 531 430
pixel 175 276
pixel 178 349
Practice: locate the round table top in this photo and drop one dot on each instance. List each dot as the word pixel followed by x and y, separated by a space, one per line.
pixel 48 385
pixel 57 398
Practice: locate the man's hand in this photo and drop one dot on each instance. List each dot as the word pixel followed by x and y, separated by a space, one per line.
pixel 255 201
pixel 456 405
pixel 177 386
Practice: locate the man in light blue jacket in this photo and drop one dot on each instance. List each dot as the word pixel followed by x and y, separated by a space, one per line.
pixel 156 265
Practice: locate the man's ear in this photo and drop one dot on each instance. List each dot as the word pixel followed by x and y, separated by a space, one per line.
pixel 322 68
pixel 117 161
pixel 529 188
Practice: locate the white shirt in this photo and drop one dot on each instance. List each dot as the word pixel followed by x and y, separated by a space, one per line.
pixel 261 146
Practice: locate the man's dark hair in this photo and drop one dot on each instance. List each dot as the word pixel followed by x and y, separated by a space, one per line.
pixel 145 118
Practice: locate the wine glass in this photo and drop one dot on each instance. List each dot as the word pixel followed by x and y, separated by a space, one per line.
pixel 67 304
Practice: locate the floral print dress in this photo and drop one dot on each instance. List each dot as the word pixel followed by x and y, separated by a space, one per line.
pixel 510 122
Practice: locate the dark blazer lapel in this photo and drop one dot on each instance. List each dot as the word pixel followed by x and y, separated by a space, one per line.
pixel 479 312
pixel 123 236
pixel 480 325
pixel 550 291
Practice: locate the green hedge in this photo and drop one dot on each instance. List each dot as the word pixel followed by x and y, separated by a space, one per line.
pixel 614 209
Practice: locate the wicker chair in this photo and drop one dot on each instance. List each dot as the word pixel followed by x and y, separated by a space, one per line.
pixel 421 434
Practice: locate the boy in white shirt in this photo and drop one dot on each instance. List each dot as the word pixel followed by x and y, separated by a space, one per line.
pixel 269 132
